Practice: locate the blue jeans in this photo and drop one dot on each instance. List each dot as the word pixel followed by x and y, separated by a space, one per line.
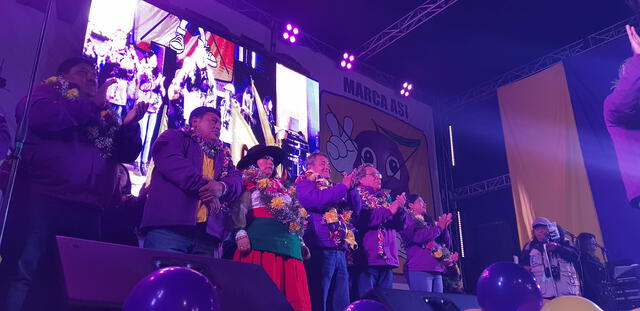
pixel 372 277
pixel 29 273
pixel 183 239
pixel 424 281
pixel 328 279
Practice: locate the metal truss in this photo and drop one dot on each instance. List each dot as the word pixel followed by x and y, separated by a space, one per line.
pixel 479 188
pixel 403 26
pixel 313 43
pixel 485 89
pixel 250 11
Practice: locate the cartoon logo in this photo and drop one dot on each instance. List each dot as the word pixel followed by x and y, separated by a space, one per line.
pixel 379 147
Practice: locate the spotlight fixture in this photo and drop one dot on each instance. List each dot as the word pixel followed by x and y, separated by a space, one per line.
pixel 347 60
pixel 291 33
pixel 406 89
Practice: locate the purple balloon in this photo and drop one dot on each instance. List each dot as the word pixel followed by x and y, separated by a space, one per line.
pixel 173 289
pixel 506 286
pixel 366 305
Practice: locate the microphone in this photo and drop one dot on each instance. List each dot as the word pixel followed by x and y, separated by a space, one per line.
pixel 598 246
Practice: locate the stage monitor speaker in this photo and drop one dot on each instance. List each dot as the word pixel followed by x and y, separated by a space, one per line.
pixel 404 300
pixel 99 276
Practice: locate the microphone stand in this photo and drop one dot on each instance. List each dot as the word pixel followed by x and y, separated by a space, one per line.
pixel 21 133
pixel 546 254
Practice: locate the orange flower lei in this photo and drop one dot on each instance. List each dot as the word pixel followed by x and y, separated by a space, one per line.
pixel 281 202
pixel 340 228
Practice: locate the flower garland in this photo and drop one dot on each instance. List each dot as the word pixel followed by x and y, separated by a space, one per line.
pixel 439 251
pixel 320 182
pixel 210 149
pixel 376 200
pixel 62 86
pixel 282 203
pixel 442 253
pixel 420 221
pixel 101 133
pixel 340 228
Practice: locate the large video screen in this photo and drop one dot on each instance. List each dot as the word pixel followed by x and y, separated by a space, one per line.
pixel 176 66
pixel 297 116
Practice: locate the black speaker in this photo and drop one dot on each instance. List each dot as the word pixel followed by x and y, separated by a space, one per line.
pixel 99 276
pixel 404 300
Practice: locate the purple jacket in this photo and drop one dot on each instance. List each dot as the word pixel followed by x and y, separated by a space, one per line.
pixel 367 222
pixel 316 202
pixel 622 117
pixel 59 160
pixel 176 179
pixel 419 258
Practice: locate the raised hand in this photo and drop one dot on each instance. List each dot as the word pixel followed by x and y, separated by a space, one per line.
pixel 444 221
pixel 634 39
pixel 136 114
pixel 342 150
pixel 100 99
pixel 398 203
pixel 347 180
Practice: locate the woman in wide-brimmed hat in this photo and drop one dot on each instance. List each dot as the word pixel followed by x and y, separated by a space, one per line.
pixel 271 223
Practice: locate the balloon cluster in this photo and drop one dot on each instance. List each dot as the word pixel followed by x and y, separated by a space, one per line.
pixel 505 286
pixel 173 289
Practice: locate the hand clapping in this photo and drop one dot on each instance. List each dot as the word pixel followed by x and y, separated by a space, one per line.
pixel 136 114
pixel 347 180
pixel 398 203
pixel 634 39
pixel 444 221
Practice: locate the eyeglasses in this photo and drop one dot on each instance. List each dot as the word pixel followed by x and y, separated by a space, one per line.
pixel 376 175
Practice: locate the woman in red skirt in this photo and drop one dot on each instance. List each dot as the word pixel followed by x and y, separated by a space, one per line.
pixel 272 223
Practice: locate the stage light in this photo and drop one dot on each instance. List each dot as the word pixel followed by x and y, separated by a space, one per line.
pixel 406 88
pixel 290 33
pixel 347 60
pixel 453 157
pixel 460 234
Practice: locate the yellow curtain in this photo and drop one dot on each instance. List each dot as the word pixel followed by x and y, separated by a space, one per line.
pixel 264 119
pixel 548 175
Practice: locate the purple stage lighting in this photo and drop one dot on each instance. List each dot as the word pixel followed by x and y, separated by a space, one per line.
pixel 347 60
pixel 290 33
pixel 406 88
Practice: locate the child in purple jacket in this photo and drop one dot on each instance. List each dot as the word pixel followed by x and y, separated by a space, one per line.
pixel 427 247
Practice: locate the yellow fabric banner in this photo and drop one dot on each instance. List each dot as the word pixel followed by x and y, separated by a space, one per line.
pixel 353 133
pixel 548 174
